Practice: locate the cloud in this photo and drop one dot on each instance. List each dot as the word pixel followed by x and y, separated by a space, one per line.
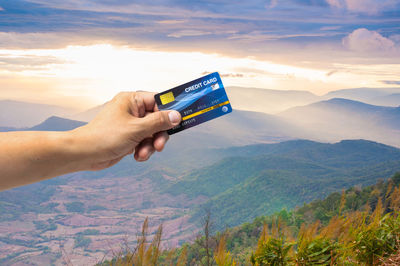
pixel 395 38
pixel 330 73
pixel 330 28
pixel 363 40
pixel 391 82
pixel 11 62
pixel 226 75
pixel 272 4
pixel 42 39
pixel 171 21
pixel 336 3
pixel 295 30
pixel 1 9
pixel 265 36
pixel 364 6
pixel 188 33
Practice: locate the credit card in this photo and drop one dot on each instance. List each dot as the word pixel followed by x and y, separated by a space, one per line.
pixel 198 101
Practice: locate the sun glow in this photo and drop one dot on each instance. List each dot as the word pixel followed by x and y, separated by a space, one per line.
pixel 97 72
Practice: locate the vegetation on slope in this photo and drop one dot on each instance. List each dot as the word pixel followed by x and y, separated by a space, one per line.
pixel 263 179
pixel 358 226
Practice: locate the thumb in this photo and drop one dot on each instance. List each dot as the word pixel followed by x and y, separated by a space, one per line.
pixel 159 121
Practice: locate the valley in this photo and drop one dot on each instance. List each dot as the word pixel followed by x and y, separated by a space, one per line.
pixel 90 216
pixel 247 164
pixel 88 220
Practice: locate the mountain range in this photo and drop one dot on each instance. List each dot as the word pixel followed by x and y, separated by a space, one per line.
pixel 330 120
pixel 337 119
pixel 276 101
pixel 260 179
pixel 374 96
pixel 17 114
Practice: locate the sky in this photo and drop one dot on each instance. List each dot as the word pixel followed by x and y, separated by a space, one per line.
pixel 80 53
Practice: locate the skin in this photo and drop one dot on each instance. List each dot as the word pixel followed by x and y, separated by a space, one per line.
pixel 128 124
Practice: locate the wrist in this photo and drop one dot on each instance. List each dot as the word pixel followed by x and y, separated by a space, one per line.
pixel 75 149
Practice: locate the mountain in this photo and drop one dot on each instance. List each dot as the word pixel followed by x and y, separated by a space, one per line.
pixel 275 101
pixel 338 118
pixel 388 100
pixel 375 96
pixel 261 179
pixel 266 100
pixel 52 123
pixel 23 114
pixel 6 129
pixel 55 123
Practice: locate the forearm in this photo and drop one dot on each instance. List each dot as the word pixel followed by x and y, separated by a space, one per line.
pixel 129 123
pixel 28 157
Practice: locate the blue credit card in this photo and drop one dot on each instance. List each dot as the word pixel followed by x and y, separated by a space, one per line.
pixel 198 101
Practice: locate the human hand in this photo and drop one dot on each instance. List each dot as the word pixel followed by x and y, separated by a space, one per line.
pixel 129 123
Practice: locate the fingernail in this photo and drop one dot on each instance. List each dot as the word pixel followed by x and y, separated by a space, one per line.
pixel 174 117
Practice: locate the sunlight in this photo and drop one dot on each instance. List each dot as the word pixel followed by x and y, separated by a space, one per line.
pixel 99 71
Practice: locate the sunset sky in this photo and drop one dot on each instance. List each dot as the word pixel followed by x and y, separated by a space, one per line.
pixel 81 52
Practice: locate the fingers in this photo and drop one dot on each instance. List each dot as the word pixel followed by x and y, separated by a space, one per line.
pixel 156 122
pixel 137 105
pixel 147 147
pixel 148 100
pixel 141 102
pixel 160 139
pixel 144 150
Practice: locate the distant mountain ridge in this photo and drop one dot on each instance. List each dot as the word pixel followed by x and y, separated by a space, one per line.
pixel 388 100
pixel 343 119
pixel 374 96
pixel 330 120
pixel 55 123
pixel 19 114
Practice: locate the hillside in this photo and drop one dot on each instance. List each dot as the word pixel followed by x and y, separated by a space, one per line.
pixel 265 178
pixel 336 208
pixel 360 226
pixel 342 118
pixel 23 114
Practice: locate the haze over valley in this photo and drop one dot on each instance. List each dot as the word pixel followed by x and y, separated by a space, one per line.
pixel 248 161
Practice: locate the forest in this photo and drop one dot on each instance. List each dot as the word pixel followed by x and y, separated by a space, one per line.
pixel 360 226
